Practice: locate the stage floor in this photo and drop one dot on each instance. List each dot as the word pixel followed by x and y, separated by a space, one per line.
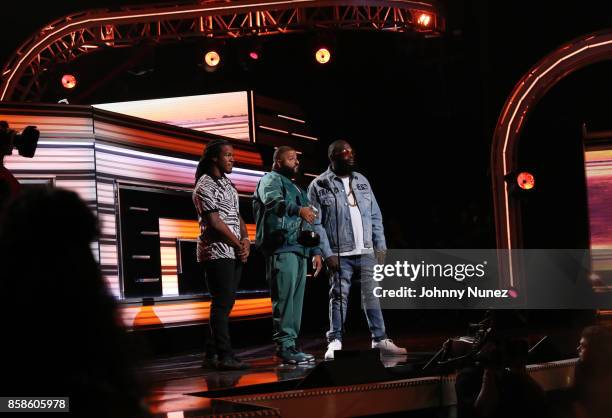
pixel 180 383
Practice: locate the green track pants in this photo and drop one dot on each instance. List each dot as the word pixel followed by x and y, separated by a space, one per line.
pixel 286 274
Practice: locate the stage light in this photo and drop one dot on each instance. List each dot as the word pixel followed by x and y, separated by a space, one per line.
pixel 323 55
pixel 520 183
pixel 424 19
pixel 212 58
pixel 69 81
pixel 250 54
pixel 525 180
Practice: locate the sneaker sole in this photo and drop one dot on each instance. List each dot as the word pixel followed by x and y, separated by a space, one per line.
pixel 295 363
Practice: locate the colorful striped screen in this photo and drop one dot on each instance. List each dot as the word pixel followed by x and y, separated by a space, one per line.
pixel 599 186
pixel 90 151
pixel 225 114
pixel 169 231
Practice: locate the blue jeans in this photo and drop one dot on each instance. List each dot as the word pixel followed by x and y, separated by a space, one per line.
pixel 358 267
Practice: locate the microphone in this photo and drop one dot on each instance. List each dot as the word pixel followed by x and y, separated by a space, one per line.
pixel 324 183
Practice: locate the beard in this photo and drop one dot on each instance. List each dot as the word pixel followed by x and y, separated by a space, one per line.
pixel 344 168
pixel 288 171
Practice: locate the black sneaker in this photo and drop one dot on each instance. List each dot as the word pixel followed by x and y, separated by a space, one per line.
pixel 232 363
pixel 292 356
pixel 308 356
pixel 210 362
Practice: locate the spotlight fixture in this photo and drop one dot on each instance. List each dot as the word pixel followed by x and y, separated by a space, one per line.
pixel 69 81
pixel 525 180
pixel 322 55
pixel 520 182
pixel 254 55
pixel 212 58
pixel 424 20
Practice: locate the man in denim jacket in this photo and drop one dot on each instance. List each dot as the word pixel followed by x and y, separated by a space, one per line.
pixel 357 234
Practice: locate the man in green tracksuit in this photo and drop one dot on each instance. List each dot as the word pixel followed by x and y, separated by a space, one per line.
pixel 280 208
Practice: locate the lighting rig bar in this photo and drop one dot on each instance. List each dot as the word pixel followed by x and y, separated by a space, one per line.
pixel 66 39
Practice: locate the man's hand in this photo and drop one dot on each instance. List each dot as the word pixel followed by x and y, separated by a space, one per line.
pixel 317 264
pixel 380 256
pixel 307 214
pixel 245 250
pixel 332 263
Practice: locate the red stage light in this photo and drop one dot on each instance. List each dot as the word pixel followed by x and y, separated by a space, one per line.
pixel 69 81
pixel 424 19
pixel 253 55
pixel 323 55
pixel 525 180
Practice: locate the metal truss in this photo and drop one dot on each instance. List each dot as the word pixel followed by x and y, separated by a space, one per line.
pixel 68 38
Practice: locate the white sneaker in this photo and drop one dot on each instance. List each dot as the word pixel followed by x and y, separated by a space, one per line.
pixel 387 348
pixel 331 347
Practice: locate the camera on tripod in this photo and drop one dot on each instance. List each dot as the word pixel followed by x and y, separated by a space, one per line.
pixel 485 346
pixel 458 352
pixel 25 142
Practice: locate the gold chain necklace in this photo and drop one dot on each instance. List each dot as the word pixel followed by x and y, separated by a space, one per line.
pixel 348 197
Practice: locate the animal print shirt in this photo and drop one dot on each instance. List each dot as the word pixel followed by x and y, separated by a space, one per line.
pixel 216 195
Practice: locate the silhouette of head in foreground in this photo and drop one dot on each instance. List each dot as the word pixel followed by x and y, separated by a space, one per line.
pixel 62 334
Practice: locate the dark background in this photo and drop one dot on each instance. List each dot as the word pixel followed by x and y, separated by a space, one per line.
pixel 419 112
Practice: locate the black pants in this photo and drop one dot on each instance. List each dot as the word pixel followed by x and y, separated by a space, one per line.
pixel 222 278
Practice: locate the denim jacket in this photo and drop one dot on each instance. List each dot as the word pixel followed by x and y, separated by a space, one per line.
pixel 325 223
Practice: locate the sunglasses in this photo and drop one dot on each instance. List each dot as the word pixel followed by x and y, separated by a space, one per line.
pixel 346 153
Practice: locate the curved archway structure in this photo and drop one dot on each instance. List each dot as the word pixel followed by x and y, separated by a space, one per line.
pixel 72 36
pixel 567 59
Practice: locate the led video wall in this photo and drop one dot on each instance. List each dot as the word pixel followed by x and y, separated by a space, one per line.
pixel 146 249
pixel 133 163
pixel 225 114
pixel 598 165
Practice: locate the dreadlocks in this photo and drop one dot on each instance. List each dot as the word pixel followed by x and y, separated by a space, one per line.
pixel 212 150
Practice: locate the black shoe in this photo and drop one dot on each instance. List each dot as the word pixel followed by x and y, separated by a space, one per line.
pixel 308 356
pixel 232 363
pixel 210 362
pixel 291 356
